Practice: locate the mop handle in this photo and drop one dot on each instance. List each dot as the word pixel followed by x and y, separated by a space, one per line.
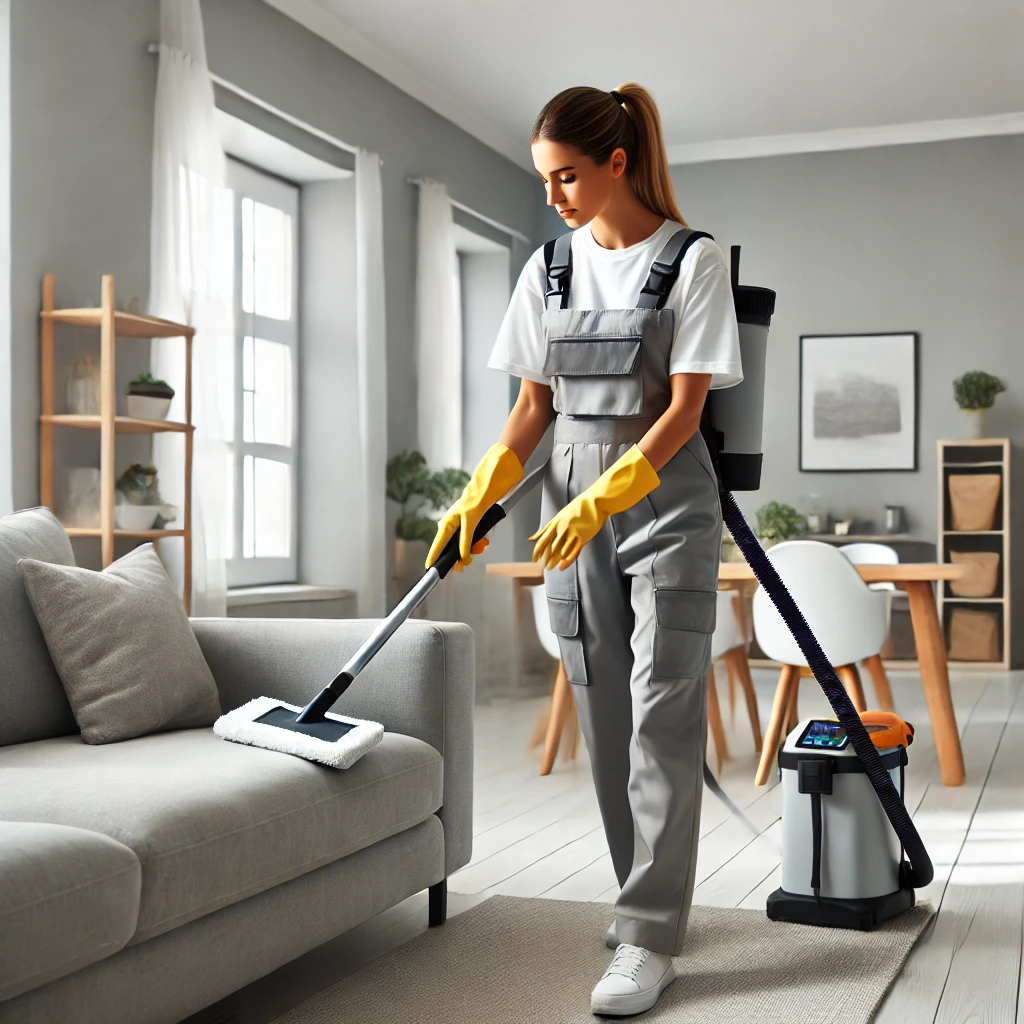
pixel 315 710
pixel 921 870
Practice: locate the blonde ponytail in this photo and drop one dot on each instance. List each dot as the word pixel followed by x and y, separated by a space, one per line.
pixel 650 179
pixel 597 123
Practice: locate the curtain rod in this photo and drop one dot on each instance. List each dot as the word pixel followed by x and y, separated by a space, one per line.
pixel 271 109
pixel 504 228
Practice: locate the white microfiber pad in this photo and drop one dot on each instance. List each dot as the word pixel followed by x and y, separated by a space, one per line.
pixel 239 727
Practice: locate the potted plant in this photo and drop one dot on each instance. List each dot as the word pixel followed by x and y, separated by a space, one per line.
pixel 139 505
pixel 148 398
pixel 975 392
pixel 417 489
pixel 777 521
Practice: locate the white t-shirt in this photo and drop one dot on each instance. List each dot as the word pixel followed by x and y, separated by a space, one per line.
pixel 707 338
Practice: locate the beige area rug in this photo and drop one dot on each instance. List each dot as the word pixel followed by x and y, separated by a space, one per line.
pixel 534 961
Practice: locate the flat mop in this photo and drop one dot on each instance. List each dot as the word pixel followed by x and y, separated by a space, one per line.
pixel 335 740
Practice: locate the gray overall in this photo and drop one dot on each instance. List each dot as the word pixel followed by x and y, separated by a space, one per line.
pixel 635 612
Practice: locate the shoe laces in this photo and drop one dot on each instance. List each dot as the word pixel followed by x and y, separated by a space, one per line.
pixel 628 960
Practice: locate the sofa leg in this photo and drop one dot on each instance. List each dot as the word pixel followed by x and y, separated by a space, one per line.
pixel 438 912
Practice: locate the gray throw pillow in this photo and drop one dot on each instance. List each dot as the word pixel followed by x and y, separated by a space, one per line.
pixel 123 646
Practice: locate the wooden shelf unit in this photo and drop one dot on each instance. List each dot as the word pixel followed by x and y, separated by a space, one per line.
pixel 113 324
pixel 982 455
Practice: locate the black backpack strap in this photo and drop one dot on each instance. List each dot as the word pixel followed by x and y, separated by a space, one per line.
pixel 558 266
pixel 665 269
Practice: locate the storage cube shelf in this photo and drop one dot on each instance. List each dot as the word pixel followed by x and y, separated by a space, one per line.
pixel 112 324
pixel 974 493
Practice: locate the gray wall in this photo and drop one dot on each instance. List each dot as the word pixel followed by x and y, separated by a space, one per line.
pixel 926 238
pixel 81 112
pixel 6 495
pixel 82 90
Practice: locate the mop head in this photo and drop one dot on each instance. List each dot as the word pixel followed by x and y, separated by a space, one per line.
pixel 347 739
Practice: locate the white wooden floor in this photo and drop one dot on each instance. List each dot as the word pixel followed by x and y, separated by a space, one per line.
pixel 542 837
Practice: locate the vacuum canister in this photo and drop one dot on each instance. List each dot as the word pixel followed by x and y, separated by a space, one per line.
pixel 842 864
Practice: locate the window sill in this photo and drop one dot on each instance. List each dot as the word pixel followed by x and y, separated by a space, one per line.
pixel 278 592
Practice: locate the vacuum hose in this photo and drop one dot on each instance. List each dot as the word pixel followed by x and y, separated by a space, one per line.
pixel 921 870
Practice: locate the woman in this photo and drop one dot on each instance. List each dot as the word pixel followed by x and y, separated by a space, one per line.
pixel 632 522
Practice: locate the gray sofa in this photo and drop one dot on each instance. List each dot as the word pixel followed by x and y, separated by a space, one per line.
pixel 144 880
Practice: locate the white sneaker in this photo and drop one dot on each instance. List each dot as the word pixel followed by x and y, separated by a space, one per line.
pixel 634 980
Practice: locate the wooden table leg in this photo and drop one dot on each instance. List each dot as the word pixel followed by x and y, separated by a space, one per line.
pixel 931 659
pixel 561 701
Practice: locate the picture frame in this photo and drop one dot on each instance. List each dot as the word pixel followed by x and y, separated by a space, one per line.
pixel 859 405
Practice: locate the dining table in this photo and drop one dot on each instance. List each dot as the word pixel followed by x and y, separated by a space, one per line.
pixel 916 578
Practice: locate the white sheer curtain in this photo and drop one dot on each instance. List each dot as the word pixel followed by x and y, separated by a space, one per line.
pixel 190 280
pixel 372 363
pixel 438 341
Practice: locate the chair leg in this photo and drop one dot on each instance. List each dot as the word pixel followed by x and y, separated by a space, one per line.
pixel 570 730
pixel 883 692
pixel 560 703
pixel 792 709
pixel 732 685
pixel 737 660
pixel 715 720
pixel 851 680
pixel 437 900
pixel 788 680
pixel 540 729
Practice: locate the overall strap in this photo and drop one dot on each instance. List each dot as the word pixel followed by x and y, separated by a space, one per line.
pixel 665 269
pixel 558 264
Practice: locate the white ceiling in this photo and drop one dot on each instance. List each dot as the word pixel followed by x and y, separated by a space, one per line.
pixel 732 78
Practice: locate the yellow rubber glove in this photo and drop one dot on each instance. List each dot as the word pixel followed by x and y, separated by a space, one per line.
pixel 620 487
pixel 498 471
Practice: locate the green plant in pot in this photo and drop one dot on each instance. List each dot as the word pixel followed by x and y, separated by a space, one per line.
pixel 148 398
pixel 777 521
pixel 975 392
pixel 139 505
pixel 418 490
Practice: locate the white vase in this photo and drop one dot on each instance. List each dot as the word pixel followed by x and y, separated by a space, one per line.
pixel 974 420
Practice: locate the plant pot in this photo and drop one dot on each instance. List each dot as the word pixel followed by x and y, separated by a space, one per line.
pixel 973 500
pixel 135 517
pixel 974 423
pixel 147 407
pixel 982 573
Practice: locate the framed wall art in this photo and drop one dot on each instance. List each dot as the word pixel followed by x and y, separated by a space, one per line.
pixel 858 402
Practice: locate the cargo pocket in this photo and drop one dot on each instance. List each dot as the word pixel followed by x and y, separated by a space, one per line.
pixel 596 376
pixel 682 640
pixel 564 615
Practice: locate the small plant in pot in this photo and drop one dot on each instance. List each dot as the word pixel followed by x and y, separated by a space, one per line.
pixel 148 398
pixel 777 521
pixel 975 392
pixel 139 505
pixel 417 489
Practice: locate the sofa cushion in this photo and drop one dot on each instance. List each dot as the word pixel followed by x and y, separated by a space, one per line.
pixel 214 822
pixel 32 701
pixel 123 646
pixel 68 898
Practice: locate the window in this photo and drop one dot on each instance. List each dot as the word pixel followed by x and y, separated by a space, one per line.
pixel 262 462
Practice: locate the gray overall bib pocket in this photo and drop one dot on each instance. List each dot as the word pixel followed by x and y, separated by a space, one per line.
pixel 595 357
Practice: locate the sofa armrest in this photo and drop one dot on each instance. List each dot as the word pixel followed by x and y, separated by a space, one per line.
pixel 421 683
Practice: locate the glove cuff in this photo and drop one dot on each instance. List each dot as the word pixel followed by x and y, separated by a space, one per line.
pixel 625 482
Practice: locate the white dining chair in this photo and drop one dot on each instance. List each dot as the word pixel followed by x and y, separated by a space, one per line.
pixel 872 553
pixel 560 716
pixel 846 616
